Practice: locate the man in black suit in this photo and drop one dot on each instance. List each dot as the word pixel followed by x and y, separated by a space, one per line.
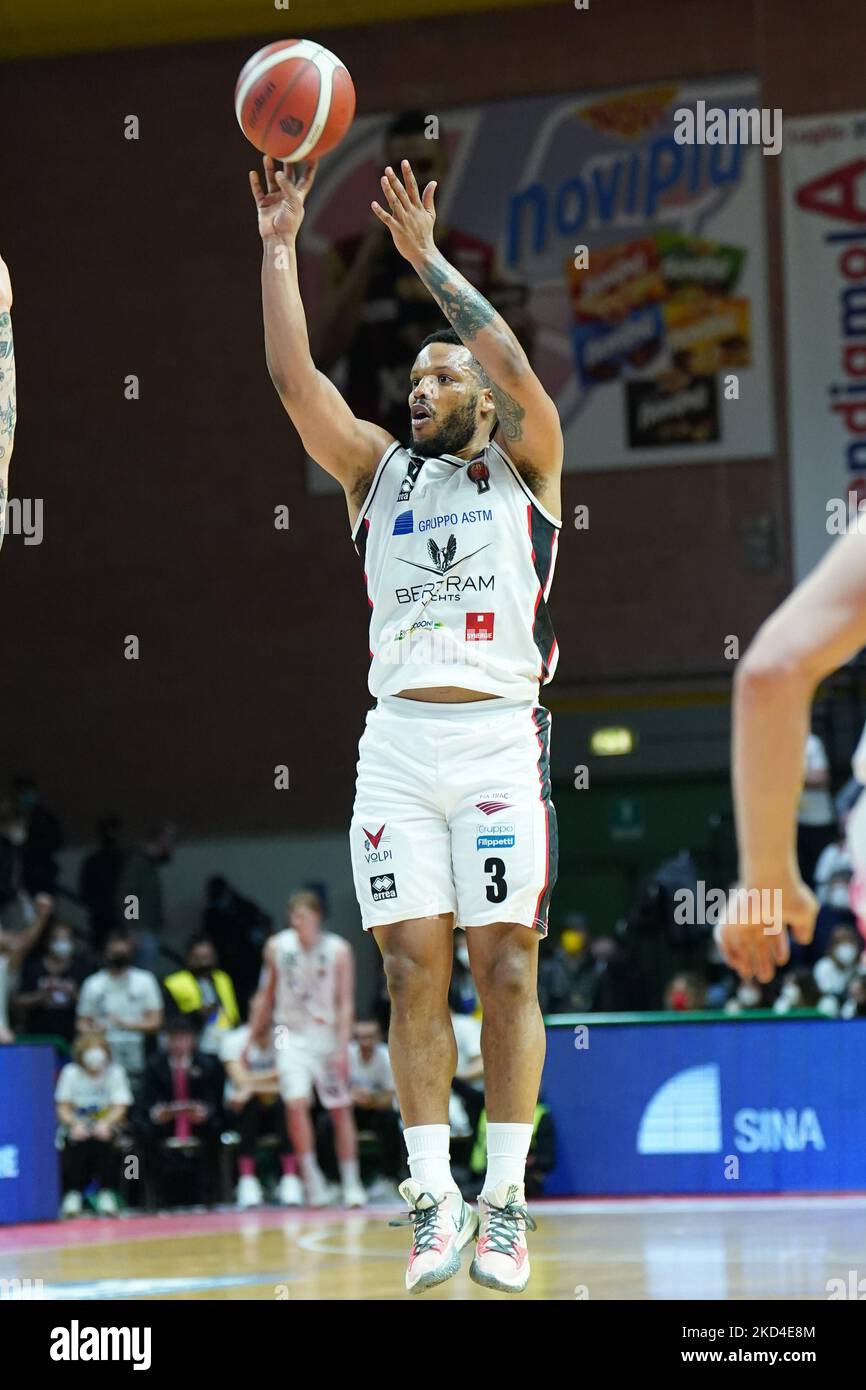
pixel 181 1116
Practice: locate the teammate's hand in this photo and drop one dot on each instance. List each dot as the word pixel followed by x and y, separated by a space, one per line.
pixel 5 287
pixel 752 934
pixel 412 215
pixel 281 207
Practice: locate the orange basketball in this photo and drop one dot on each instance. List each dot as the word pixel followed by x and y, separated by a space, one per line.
pixel 294 100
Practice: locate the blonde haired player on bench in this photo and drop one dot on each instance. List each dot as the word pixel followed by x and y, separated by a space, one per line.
pixel 453 822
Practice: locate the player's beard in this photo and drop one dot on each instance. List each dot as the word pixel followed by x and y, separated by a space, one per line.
pixel 454 435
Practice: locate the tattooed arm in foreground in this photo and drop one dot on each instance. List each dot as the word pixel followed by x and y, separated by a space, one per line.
pixel 7 389
pixel 529 428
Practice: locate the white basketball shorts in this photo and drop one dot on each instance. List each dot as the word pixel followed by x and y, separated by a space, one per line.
pixel 305 1060
pixel 453 813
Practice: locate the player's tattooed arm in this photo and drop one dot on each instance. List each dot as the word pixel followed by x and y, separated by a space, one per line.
pixel 529 423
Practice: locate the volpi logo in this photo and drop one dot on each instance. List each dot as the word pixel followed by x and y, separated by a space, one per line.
pixel 376 845
pixel 684 1116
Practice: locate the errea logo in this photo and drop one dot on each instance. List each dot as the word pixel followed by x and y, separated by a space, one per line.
pixel 77 1343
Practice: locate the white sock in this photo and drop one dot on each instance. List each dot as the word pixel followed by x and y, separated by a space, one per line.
pixel 507 1147
pixel 349 1171
pixel 429 1157
pixel 310 1170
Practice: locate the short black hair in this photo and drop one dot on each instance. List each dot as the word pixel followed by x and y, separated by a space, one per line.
pixel 447 335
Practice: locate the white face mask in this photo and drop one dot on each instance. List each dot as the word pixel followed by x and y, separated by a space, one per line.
pixel 791 996
pixel 847 953
pixel 748 996
pixel 94 1058
pixel 16 834
pixel 62 947
pixel 838 896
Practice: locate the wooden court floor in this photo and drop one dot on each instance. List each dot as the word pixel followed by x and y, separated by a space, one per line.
pixel 681 1248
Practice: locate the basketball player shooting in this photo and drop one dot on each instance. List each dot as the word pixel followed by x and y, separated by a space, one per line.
pixel 8 403
pixel 453 822
pixel 819 627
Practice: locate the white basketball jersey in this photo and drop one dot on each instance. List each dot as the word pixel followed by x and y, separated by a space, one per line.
pixel 458 558
pixel 306 992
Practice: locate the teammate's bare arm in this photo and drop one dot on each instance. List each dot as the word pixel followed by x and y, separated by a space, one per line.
pixel 262 1003
pixel 529 423
pixel 345 990
pixel 346 447
pixel 817 629
pixel 8 403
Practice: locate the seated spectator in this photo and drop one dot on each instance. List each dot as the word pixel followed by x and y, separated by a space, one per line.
pixel 567 974
pixel 540 1160
pixel 51 977
pixel 835 866
pixel 205 992
pixel 855 1002
pixel 238 929
pixel 749 994
pixel 373 1097
pixel 92 1098
pixel 685 993
pixel 122 1002
pixel 816 815
pixel 13 949
pixel 835 970
pixel 181 1113
pixel 254 1108
pixel 799 991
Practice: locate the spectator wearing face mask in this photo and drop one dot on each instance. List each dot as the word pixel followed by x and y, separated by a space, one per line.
pixel 123 1002
pixel 835 970
pixel 92 1098
pixel 798 991
pixel 749 995
pixel 206 992
pixel 686 993
pixel 138 893
pixel 50 981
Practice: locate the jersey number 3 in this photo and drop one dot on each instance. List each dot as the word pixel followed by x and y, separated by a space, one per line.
pixel 497 888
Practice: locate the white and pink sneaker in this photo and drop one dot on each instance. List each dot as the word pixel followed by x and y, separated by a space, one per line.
pixel 441 1227
pixel 501 1257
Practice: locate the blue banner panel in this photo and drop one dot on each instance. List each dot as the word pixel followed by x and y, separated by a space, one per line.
pixel 29 1176
pixel 728 1107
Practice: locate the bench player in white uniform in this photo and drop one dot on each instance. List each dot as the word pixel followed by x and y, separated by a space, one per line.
pixel 308 992
pixel 453 823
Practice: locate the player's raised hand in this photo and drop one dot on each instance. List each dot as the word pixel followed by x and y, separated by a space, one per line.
pixel 280 203
pixel 752 934
pixel 5 287
pixel 412 214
